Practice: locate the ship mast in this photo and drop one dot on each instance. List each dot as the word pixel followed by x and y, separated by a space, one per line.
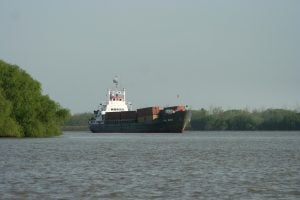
pixel 116 82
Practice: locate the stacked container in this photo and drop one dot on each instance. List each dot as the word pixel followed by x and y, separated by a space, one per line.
pixel 147 114
pixel 128 115
pixel 176 108
pixel 112 116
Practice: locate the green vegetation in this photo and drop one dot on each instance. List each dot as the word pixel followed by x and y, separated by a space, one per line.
pixel 78 122
pixel 79 119
pixel 218 119
pixel 270 119
pixel 24 111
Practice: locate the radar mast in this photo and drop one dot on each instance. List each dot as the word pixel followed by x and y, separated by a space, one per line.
pixel 116 81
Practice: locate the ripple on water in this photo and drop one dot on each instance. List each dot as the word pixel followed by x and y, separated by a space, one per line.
pixel 197 165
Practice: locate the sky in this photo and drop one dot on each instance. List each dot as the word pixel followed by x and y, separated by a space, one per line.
pixel 232 54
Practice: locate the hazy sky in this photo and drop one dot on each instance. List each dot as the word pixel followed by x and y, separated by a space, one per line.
pixel 228 53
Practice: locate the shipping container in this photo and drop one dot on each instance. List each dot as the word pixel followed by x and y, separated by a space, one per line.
pixel 128 115
pixel 176 108
pixel 151 118
pixel 112 116
pixel 148 111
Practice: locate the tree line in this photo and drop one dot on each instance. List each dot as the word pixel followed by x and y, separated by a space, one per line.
pixel 24 110
pixel 78 122
pixel 218 119
pixel 268 119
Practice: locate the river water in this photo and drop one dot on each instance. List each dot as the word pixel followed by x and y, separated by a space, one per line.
pixel 195 165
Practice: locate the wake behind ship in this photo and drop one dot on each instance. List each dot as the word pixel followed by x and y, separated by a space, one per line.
pixel 115 115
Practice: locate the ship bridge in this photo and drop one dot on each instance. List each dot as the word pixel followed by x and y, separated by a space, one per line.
pixel 115 102
pixel 116 99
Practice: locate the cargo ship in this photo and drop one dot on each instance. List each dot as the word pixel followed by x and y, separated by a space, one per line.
pixel 115 115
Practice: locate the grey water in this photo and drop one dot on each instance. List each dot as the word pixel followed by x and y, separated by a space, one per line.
pixel 194 165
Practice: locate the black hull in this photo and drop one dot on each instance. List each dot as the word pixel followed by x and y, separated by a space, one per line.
pixel 171 123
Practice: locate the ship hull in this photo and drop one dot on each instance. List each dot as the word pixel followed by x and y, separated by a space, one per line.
pixel 171 123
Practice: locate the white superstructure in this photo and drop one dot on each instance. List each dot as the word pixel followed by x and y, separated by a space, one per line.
pixel 115 102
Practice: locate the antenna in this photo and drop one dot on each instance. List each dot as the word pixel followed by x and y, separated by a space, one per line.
pixel 116 81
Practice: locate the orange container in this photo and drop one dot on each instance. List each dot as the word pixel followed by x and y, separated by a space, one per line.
pixel 176 108
pixel 148 111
